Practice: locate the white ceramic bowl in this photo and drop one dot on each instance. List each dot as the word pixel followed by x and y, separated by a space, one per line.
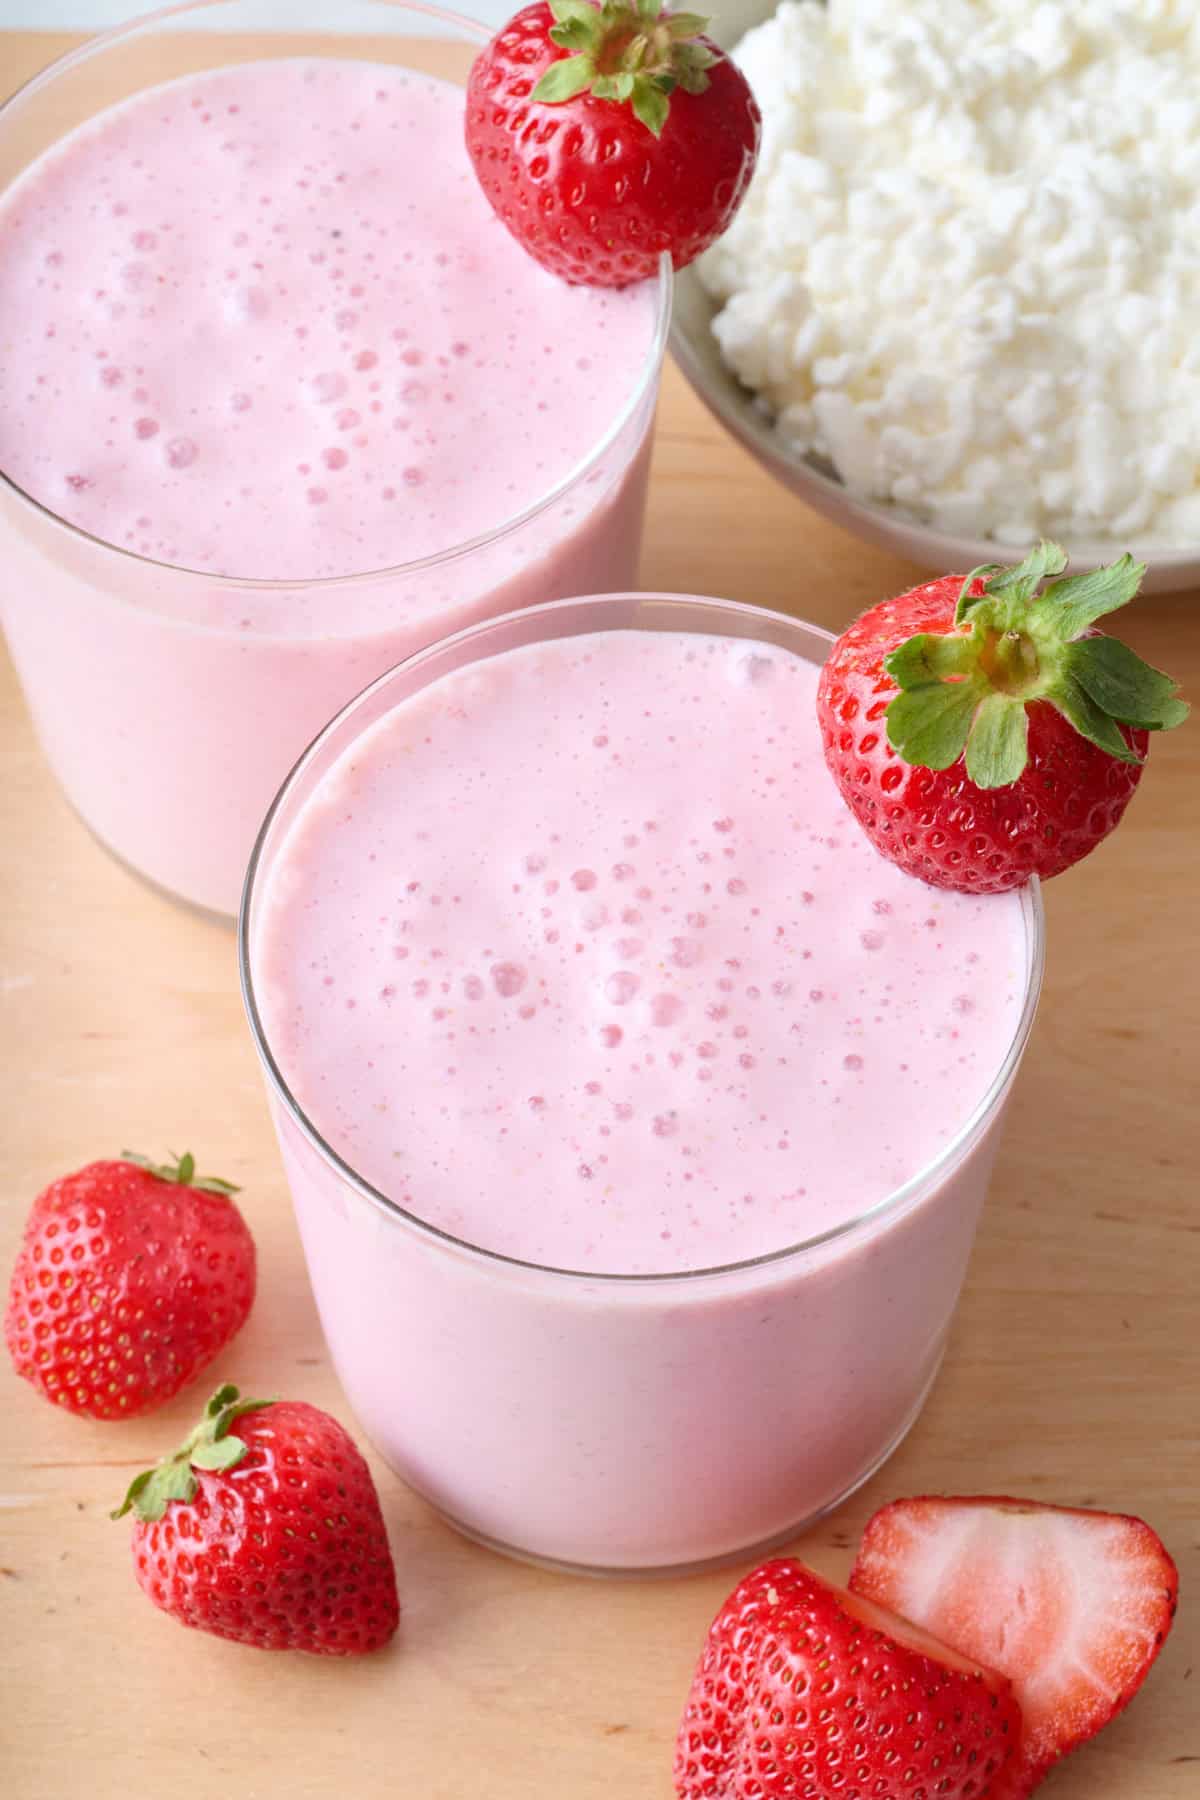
pixel 695 350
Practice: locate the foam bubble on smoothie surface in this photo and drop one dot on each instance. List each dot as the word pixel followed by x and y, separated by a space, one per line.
pixel 262 321
pixel 578 956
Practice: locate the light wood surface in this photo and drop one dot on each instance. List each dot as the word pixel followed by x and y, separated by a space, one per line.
pixel 1072 1373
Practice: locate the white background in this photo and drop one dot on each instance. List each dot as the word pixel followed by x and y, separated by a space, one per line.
pixel 90 15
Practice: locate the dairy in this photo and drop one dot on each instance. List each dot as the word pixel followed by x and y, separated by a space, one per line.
pixel 575 957
pixel 966 270
pixel 260 326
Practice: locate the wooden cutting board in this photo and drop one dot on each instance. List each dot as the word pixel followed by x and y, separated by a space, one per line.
pixel 1073 1373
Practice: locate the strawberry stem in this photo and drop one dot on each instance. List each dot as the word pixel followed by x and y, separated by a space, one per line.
pixel 208 1446
pixel 627 51
pixel 1023 634
pixel 1009 659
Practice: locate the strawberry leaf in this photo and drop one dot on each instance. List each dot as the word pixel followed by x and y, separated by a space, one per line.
pixel 1124 686
pixel 997 748
pixel 569 76
pixel 692 67
pixel 928 658
pixel 968 690
pixel 651 105
pixel 150 1493
pixel 1090 720
pixel 573 34
pixel 1024 578
pixel 1044 559
pixel 209 1446
pixel 686 25
pixel 581 11
pixel 136 1488
pixel 625 52
pixel 1008 590
pixel 224 1398
pixel 966 599
pixel 222 1454
pixel 181 1169
pixel 1082 599
pixel 929 725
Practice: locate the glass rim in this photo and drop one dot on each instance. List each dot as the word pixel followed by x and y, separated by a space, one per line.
pixel 894 1201
pixel 473 29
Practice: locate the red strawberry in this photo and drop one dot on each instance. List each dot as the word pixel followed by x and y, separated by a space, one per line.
pixel 271 1536
pixel 604 136
pixel 131 1277
pixel 1073 1606
pixel 1017 735
pixel 807 1692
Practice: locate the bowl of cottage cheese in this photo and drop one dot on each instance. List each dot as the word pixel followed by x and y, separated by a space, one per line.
pixel 958 308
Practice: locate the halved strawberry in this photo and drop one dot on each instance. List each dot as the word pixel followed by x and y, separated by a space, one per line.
pixel 1073 1606
pixel 806 1692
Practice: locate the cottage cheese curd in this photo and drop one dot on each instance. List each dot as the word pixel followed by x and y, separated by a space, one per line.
pixel 967 270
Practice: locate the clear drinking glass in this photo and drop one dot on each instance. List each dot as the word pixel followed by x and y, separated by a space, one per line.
pixel 609 1422
pixel 171 703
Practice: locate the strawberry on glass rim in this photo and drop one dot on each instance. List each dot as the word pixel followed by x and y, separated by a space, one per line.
pixel 981 731
pixel 604 136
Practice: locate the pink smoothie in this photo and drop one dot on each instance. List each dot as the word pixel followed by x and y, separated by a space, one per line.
pixel 576 956
pixel 261 324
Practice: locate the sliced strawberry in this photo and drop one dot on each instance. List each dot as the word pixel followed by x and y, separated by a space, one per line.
pixel 1073 1606
pixel 806 1692
pixel 1016 1782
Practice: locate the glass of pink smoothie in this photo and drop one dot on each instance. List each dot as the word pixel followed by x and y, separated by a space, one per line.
pixel 280 402
pixel 637 1114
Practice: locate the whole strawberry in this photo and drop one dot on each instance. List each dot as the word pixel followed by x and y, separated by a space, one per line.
pixel 805 1692
pixel 606 135
pixel 979 729
pixel 270 1534
pixel 130 1278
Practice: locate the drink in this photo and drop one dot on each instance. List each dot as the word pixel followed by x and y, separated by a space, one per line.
pixel 566 947
pixel 282 384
